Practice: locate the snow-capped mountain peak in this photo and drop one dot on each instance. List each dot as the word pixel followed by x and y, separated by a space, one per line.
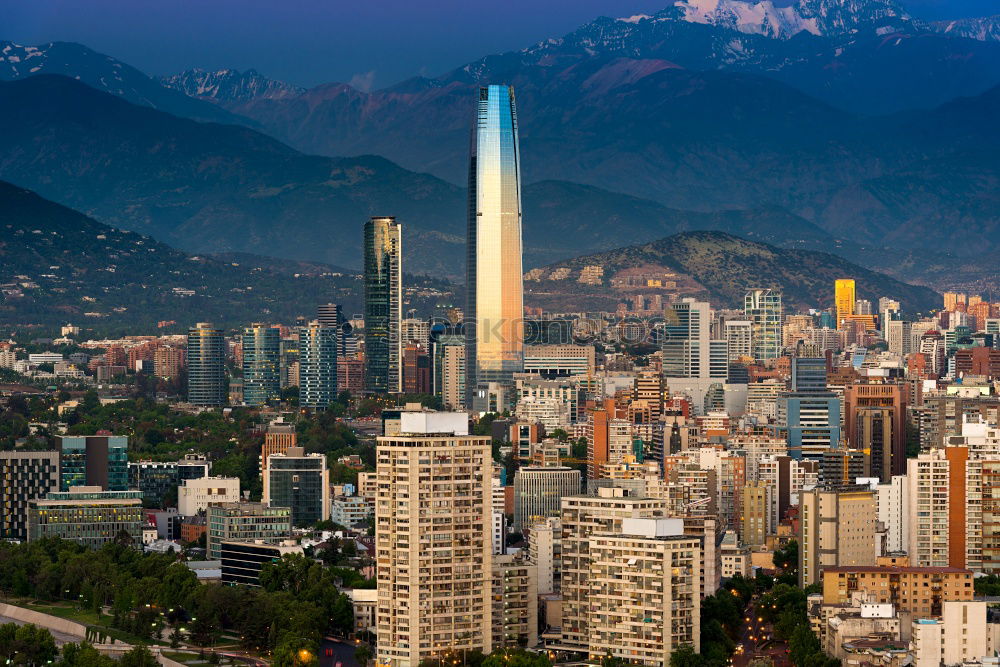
pixel 781 19
pixel 229 86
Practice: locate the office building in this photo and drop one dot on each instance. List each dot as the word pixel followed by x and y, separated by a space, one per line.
pixel 261 364
pixel 538 491
pixel 158 480
pixel 93 460
pixel 244 521
pixel 24 476
pixel 808 416
pixel 433 514
pixel 844 299
pixel 195 495
pixel 551 361
pixel 300 482
pixel 582 518
pixel 88 515
pixel 278 437
pixel 330 315
pixel 383 304
pixel 837 526
pixel 242 561
pixel 874 437
pixel 644 600
pixel 764 310
pixel 756 524
pixel 893 399
pixel 494 309
pixel 317 366
pixel 206 353
pixel 515 602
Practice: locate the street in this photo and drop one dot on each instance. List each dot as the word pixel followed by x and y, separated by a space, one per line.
pixel 756 640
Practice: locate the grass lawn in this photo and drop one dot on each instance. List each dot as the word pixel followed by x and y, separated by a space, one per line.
pixel 69 611
pixel 193 659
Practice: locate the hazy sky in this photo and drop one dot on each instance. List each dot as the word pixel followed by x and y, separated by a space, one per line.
pixel 315 41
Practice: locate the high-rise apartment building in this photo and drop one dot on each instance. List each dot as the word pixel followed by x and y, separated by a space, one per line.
pixel 383 304
pixel 300 482
pixel 893 398
pixel 24 476
pixel 582 518
pixel 686 335
pixel 837 526
pixel 538 491
pixel 844 299
pixel 739 337
pixel 515 602
pixel 494 310
pixel 764 310
pixel 433 540
pixel 317 366
pixel 206 352
pixel 93 460
pixel 261 364
pixel 643 592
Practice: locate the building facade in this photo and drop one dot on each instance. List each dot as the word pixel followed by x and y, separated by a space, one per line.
pixel 88 515
pixel 24 476
pixel 383 304
pixel 300 482
pixel 206 353
pixel 244 521
pixel 261 364
pixel 317 365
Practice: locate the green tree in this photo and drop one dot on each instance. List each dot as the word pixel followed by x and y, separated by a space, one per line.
pixel 296 652
pixel 83 655
pixel 684 656
pixel 516 658
pixel 139 656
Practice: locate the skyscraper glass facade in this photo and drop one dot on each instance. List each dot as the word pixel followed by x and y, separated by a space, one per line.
pixel 763 308
pixel 261 364
pixel 93 460
pixel 206 365
pixel 495 310
pixel 317 365
pixel 383 304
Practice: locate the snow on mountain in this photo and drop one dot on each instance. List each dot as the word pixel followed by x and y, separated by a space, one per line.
pixel 784 20
pixel 229 86
pixel 985 29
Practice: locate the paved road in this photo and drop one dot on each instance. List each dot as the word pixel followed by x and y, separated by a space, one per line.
pixel 60 637
pixel 755 633
pixel 342 652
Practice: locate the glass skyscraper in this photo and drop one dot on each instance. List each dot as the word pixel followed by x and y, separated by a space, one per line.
pixel 93 460
pixel 206 352
pixel 495 308
pixel 763 308
pixel 317 365
pixel 261 364
pixel 383 304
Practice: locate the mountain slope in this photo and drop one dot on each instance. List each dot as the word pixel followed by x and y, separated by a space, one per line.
pixel 57 265
pixel 107 74
pixel 724 266
pixel 229 86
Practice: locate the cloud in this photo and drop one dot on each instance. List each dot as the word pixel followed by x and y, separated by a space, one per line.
pixel 363 80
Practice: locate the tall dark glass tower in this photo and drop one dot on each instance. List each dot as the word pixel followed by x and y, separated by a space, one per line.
pixel 383 304
pixel 206 352
pixel 261 364
pixel 495 308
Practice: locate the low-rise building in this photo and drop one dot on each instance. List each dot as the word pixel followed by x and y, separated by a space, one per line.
pixel 352 511
pixel 195 495
pixel 89 515
pixel 243 561
pixel 244 521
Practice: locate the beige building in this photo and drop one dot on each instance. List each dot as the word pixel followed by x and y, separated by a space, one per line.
pixel 544 551
pixel 756 511
pixel 195 495
pixel 921 591
pixel 837 528
pixel 368 485
pixel 515 602
pixel 433 540
pixel 583 517
pixel 643 592
pixel 735 557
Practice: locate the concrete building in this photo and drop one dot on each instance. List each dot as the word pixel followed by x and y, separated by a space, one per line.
pixel 300 482
pixel 920 591
pixel 433 515
pixel 583 517
pixel 545 553
pixel 87 514
pixel 837 528
pixel 643 592
pixel 93 460
pixel 756 525
pixel 352 511
pixel 559 360
pixel 893 501
pixel 515 602
pixel 244 521
pixel 278 437
pixel 195 495
pixel 24 476
pixel 538 491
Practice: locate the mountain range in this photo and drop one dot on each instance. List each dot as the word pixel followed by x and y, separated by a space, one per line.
pixel 755 118
pixel 57 265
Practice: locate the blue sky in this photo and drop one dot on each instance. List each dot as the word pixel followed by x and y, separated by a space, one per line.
pixel 317 41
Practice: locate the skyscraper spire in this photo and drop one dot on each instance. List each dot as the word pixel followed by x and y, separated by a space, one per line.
pixel 494 313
